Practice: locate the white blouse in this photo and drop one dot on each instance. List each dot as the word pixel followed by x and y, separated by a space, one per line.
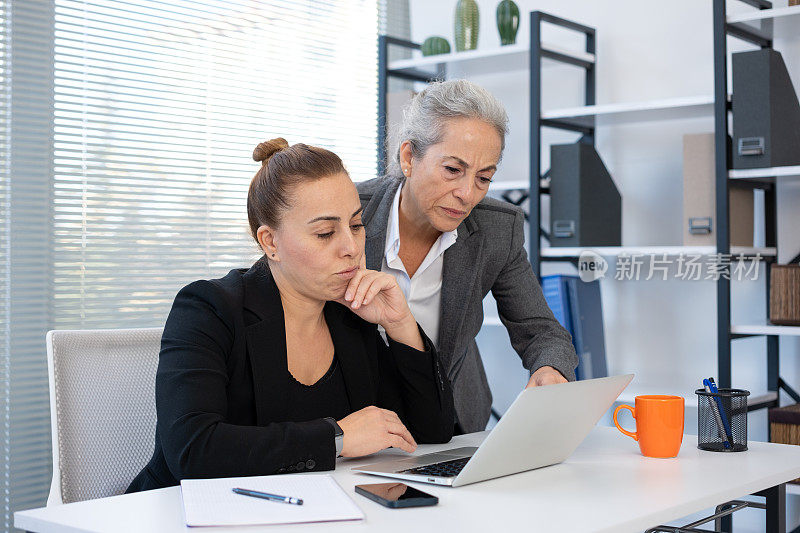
pixel 423 292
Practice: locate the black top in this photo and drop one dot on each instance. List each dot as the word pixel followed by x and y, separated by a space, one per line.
pixel 325 398
pixel 222 385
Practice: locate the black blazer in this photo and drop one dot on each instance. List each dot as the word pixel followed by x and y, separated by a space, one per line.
pixel 222 378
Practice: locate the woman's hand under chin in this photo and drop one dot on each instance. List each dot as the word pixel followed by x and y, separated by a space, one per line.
pixel 375 297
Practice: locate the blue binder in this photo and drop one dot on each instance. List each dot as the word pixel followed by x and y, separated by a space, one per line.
pixel 556 294
pixel 578 307
pixel 586 312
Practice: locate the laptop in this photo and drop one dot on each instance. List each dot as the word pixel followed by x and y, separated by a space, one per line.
pixel 542 427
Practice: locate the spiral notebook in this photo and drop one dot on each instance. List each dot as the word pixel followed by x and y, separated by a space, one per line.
pixel 211 502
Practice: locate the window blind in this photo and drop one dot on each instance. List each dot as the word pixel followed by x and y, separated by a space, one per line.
pixel 129 128
pixel 5 288
pixel 158 106
pixel 29 103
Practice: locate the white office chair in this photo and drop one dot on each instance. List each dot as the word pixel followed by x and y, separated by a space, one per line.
pixel 102 409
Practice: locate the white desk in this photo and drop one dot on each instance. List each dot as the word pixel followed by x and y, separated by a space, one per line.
pixel 606 485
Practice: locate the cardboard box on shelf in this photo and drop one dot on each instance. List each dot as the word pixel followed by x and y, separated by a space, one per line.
pixel 700 201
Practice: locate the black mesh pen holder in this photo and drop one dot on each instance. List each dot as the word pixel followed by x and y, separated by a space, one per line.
pixel 722 420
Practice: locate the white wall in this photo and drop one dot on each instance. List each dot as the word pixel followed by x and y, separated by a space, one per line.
pixel 664 331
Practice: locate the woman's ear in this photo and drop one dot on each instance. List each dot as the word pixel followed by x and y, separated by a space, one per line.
pixel 405 158
pixel 266 239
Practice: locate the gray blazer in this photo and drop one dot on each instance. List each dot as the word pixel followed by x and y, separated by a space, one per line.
pixel 488 255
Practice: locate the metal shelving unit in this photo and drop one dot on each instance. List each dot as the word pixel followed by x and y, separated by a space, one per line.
pixel 761 35
pixel 585 119
pixel 538 119
pixel 405 72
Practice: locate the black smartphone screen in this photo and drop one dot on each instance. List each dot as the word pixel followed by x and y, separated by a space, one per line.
pixel 396 495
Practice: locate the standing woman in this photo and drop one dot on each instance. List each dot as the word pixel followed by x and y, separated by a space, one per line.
pixel 430 225
pixel 280 367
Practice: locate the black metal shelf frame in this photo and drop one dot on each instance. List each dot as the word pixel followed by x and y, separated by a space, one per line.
pixel 384 73
pixel 537 53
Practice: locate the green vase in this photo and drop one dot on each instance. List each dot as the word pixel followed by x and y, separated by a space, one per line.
pixel 435 45
pixel 466 25
pixel 507 21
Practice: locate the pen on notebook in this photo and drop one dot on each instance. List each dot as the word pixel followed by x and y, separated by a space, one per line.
pixel 715 409
pixel 722 414
pixel 267 496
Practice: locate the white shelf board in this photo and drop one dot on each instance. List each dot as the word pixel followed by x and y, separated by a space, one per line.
pixel 621 113
pixel 690 398
pixel 765 329
pixel 766 14
pixel 778 23
pixel 458 57
pixel 514 55
pixel 608 251
pixel 770 172
pixel 510 185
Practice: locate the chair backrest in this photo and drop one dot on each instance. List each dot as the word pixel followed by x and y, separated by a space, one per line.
pixel 102 409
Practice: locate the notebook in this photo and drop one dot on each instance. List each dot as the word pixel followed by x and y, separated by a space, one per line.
pixel 211 502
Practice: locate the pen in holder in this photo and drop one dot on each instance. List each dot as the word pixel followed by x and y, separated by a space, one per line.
pixel 722 420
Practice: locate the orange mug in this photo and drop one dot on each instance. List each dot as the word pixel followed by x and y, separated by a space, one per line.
pixel 659 424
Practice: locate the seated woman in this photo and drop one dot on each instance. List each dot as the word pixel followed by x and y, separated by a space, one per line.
pixel 261 369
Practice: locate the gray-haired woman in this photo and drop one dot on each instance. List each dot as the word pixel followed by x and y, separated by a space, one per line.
pixel 431 226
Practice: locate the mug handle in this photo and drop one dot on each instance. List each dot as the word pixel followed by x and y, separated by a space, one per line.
pixel 634 436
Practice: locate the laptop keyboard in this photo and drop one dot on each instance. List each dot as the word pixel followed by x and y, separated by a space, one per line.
pixel 443 469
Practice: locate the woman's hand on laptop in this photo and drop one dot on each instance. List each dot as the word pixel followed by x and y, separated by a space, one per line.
pixel 547 375
pixel 373 429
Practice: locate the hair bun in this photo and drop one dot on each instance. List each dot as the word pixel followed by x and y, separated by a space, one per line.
pixel 269 148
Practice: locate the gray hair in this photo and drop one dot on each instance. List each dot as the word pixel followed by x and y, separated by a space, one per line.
pixel 427 112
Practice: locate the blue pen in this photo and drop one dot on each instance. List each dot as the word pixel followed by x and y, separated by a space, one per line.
pixel 721 409
pixel 267 496
pixel 715 408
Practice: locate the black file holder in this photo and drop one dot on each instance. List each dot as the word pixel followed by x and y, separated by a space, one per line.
pixel 732 408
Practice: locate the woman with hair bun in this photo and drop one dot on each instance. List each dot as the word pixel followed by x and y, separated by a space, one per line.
pixel 280 367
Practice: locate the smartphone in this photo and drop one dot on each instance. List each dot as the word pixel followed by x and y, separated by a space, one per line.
pixel 396 495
